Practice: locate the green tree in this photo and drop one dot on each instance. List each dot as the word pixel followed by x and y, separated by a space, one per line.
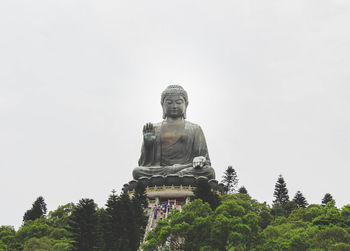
pixel 281 191
pixel 230 180
pixel 139 205
pixel 38 210
pixel 234 225
pixel 331 236
pixel 326 198
pixel 42 232
pixel 3 246
pixel 111 223
pixel 306 214
pixel 277 210
pixel 243 190
pixel 60 217
pixel 300 200
pixel 35 244
pixel 204 192
pixel 187 230
pixel 8 238
pixel 345 216
pixel 128 229
pixel 330 216
pixel 83 225
pixel 33 229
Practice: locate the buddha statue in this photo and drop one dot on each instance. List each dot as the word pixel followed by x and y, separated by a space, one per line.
pixel 175 145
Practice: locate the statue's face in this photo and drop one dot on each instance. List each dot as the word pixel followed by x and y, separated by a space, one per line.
pixel 174 106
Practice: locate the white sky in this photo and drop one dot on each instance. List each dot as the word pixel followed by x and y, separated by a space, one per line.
pixel 268 81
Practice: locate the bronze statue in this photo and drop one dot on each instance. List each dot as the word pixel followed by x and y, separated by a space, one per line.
pixel 175 145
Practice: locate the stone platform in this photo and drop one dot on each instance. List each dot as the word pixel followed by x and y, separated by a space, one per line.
pixel 165 192
pixel 161 189
pixel 167 185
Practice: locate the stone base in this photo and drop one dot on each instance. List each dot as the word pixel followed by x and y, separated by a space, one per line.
pixel 169 182
pixel 166 192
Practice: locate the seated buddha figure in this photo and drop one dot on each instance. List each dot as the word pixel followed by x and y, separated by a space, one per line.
pixel 175 145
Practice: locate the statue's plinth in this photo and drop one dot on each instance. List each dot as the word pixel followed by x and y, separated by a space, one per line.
pixel 165 192
pixel 171 186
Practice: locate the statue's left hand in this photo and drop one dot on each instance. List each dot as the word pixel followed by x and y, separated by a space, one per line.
pixel 199 161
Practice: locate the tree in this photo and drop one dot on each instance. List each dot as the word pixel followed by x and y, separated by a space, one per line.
pixel 300 200
pixel 111 223
pixel 8 238
pixel 188 229
pixel 203 191
pixel 234 225
pixel 327 198
pixel 127 225
pixel 140 196
pixel 230 180
pixel 38 210
pixel 83 225
pixel 281 191
pixel 35 244
pixel 139 204
pixel 243 190
pixel 61 216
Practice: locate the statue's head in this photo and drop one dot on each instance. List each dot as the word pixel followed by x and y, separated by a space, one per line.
pixel 174 101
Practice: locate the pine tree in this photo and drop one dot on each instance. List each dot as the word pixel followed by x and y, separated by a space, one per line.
pixel 203 191
pixel 121 231
pixel 100 243
pixel 243 190
pixel 327 198
pixel 38 210
pixel 111 222
pixel 128 230
pixel 281 191
pixel 300 200
pixel 139 204
pixel 140 196
pixel 83 225
pixel 230 180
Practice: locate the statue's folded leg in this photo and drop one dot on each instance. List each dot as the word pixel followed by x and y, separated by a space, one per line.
pixel 206 171
pixel 146 171
pixel 149 171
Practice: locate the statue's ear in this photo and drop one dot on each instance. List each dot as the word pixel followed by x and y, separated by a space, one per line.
pixel 184 115
pixel 164 114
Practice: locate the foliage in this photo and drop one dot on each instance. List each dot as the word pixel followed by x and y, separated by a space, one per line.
pixel 110 221
pixel 83 225
pixel 43 234
pixel 310 228
pixel 241 223
pixel 236 223
pixel 128 227
pixel 204 192
pixel 300 200
pixel 281 192
pixel 242 189
pixel 139 204
pixel 326 198
pixel 230 180
pixel 61 216
pixel 38 210
pixel 8 239
pixel 230 222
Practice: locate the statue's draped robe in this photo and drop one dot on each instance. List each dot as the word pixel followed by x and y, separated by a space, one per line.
pixel 176 158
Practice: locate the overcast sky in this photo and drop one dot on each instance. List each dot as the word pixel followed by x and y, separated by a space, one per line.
pixel 268 82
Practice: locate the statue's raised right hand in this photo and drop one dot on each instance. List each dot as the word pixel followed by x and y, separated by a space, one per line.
pixel 148 133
